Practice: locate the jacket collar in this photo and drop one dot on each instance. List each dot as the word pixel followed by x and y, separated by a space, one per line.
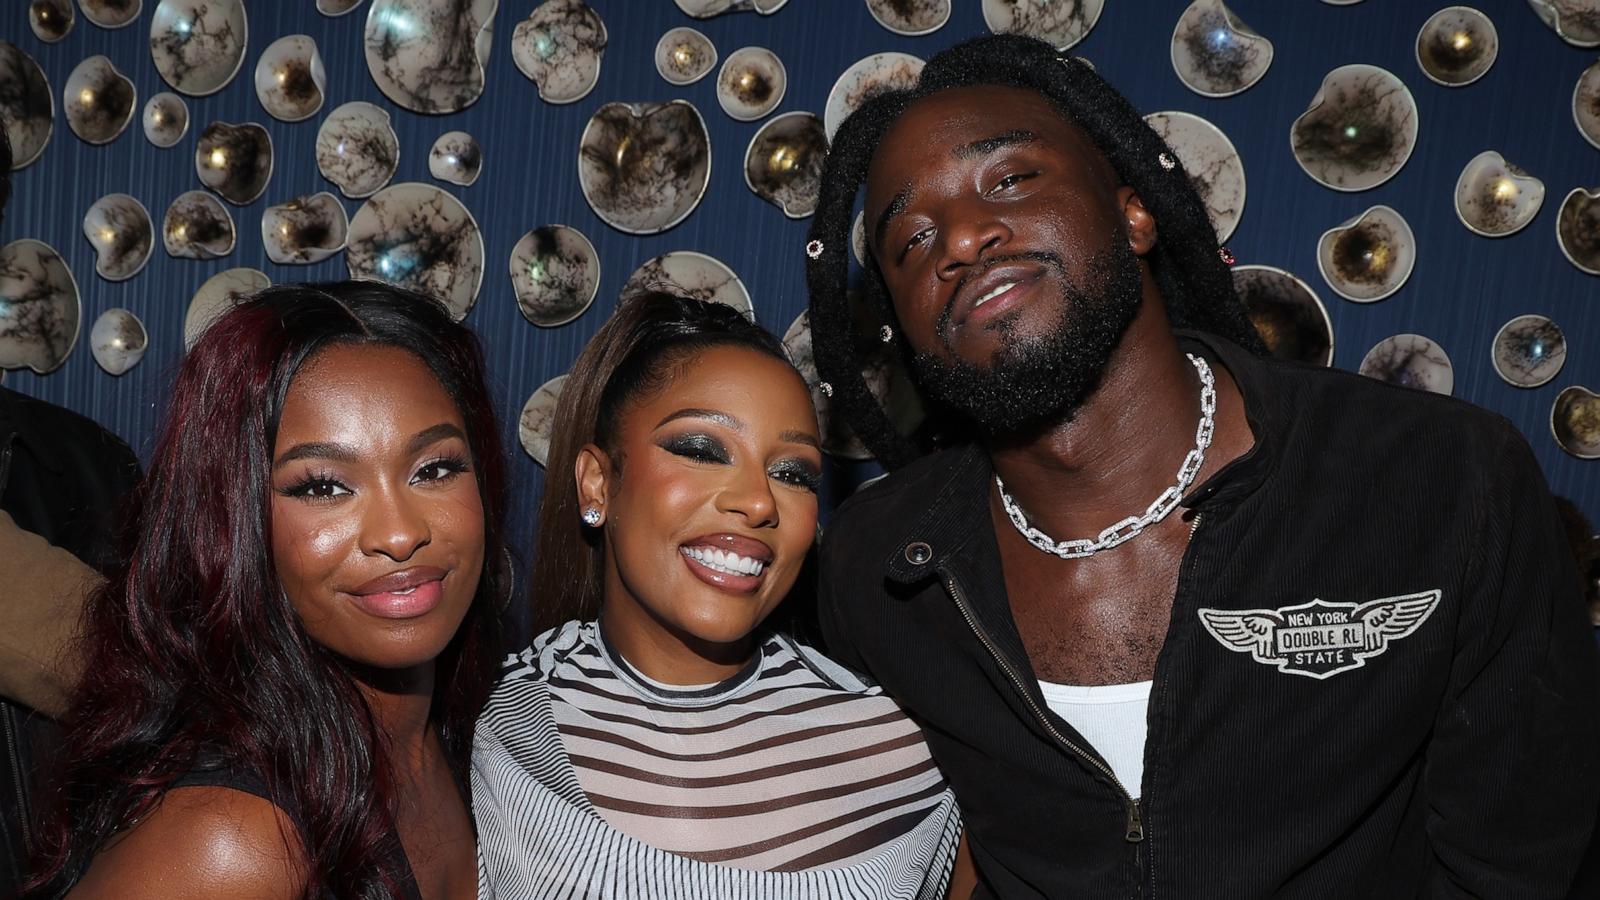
pixel 16 427
pixel 958 482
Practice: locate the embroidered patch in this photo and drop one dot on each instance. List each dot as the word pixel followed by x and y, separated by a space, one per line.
pixel 1320 639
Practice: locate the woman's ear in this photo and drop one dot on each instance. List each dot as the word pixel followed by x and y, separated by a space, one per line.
pixel 1141 225
pixel 592 470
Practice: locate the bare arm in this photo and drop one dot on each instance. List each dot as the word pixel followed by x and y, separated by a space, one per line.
pixel 201 842
pixel 43 590
pixel 964 879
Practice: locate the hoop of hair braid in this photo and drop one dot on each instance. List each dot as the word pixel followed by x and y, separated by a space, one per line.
pixel 1194 281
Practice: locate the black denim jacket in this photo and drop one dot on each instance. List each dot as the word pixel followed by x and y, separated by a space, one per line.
pixel 62 477
pixel 1377 678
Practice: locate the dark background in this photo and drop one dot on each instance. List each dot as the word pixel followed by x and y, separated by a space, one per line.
pixel 1463 289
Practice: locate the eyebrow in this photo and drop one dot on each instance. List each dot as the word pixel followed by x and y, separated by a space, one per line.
pixel 988 145
pixel 721 418
pixel 695 412
pixel 973 150
pixel 344 453
pixel 801 437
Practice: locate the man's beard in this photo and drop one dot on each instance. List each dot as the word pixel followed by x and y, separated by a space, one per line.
pixel 1035 381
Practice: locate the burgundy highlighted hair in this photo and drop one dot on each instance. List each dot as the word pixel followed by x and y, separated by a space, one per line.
pixel 192 650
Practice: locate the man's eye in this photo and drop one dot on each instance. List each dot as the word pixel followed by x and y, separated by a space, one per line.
pixel 1011 181
pixel 919 237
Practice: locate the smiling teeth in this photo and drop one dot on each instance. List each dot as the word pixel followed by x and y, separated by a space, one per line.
pixel 725 562
pixel 994 293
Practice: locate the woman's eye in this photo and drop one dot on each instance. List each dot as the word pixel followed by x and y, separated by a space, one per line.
pixel 798 474
pixel 316 488
pixel 441 469
pixel 698 447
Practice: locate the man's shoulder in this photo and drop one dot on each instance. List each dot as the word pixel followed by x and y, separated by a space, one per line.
pixel 879 514
pixel 1361 418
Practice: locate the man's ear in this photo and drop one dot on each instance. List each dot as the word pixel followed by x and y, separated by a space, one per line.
pixel 1141 225
pixel 594 475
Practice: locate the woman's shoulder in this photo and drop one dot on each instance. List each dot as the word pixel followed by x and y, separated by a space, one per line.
pixel 549 651
pixel 202 841
pixel 822 666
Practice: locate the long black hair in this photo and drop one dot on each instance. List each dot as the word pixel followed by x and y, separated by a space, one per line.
pixel 1195 282
pixel 637 352
pixel 194 654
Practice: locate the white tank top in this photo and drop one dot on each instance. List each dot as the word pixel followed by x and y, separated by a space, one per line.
pixel 1112 718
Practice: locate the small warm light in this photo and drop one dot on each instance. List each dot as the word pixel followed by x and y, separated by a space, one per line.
pixel 747 80
pixel 1350 131
pixel 536 270
pixel 157 117
pixel 284 229
pixel 219 158
pixel 622 150
pixel 282 76
pixel 86 96
pixel 181 230
pixel 1377 259
pixel 683 54
pixel 1461 40
pixel 783 159
pixel 1504 189
pixel 107 234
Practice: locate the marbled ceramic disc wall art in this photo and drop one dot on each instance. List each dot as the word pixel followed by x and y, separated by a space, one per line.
pixel 39 307
pixel 417 236
pixel 603 115
pixel 118 340
pixel 643 167
pixel 429 55
pixel 27 105
pixel 199 45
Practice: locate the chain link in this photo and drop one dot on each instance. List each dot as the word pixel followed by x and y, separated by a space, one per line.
pixel 1130 528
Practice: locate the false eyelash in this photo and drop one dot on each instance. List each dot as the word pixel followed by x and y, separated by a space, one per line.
pixel 302 487
pixel 798 474
pixel 453 464
pixel 698 447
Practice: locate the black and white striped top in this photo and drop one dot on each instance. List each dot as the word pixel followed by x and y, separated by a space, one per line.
pixel 790 779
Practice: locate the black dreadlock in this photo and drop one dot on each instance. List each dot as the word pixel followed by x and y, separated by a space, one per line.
pixel 1194 281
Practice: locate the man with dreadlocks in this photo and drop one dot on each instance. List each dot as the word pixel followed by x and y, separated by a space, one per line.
pixel 1178 620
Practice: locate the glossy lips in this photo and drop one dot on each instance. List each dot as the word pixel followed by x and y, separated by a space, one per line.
pixel 405 594
pixel 728 561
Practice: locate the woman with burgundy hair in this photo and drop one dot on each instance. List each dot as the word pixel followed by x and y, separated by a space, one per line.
pixel 280 681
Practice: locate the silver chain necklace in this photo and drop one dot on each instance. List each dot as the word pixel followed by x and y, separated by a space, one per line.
pixel 1129 528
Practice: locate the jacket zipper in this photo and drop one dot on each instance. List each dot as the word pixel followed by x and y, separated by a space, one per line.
pixel 12 735
pixel 1135 824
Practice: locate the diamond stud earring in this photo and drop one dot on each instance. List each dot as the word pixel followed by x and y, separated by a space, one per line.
pixel 591 516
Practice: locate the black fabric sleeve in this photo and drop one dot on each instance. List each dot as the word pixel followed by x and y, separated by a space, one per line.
pixel 1512 776
pixel 836 630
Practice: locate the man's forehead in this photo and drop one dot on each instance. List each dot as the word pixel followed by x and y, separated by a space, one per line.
pixel 947 123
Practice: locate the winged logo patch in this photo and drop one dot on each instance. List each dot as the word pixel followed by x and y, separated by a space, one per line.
pixel 1320 639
